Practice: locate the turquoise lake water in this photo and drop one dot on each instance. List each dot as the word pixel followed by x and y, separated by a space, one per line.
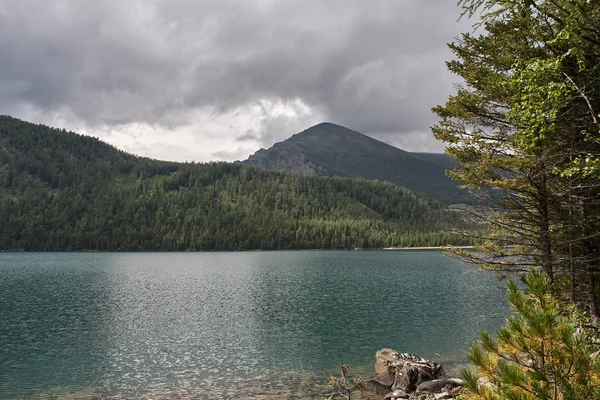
pixel 228 325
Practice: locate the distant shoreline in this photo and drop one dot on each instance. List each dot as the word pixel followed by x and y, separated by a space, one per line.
pixel 424 248
pixel 433 248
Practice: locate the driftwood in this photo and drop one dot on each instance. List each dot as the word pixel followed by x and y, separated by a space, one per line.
pixel 404 373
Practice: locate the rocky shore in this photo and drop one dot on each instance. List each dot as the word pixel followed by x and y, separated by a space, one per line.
pixel 407 376
pixel 397 376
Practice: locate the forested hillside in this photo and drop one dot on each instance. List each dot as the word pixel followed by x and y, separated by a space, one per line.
pixel 63 191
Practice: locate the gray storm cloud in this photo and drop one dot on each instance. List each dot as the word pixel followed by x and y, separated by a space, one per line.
pixel 374 66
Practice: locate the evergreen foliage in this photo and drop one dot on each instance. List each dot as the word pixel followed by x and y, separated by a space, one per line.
pixel 525 123
pixel 63 191
pixel 541 353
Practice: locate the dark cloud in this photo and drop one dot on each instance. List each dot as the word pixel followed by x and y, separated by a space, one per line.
pixel 375 66
pixel 247 136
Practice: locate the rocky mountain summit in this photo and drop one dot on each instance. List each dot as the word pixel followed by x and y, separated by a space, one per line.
pixel 333 150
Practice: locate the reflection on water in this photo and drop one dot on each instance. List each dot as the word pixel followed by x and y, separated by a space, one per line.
pixel 227 325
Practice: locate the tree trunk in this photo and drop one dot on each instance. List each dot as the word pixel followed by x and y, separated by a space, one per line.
pixel 593 299
pixel 545 239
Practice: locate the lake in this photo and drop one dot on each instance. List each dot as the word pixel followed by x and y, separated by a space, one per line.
pixel 228 325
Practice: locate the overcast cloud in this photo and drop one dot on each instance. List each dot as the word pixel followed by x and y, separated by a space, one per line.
pixel 218 79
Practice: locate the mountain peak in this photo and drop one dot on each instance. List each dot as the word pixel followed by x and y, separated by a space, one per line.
pixel 326 124
pixel 328 128
pixel 333 150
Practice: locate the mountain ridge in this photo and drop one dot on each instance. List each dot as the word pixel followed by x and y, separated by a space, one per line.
pixel 328 149
pixel 61 191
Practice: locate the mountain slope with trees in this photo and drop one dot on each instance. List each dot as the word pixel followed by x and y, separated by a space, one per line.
pixel 63 191
pixel 328 149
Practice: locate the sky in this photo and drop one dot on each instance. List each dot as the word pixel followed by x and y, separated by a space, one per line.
pixel 203 80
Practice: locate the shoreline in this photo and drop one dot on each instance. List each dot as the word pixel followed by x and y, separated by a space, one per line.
pixel 420 248
pixel 433 248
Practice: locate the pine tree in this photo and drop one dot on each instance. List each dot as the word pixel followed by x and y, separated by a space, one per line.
pixel 543 352
pixel 525 123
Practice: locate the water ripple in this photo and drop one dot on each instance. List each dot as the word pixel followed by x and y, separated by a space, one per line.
pixel 227 325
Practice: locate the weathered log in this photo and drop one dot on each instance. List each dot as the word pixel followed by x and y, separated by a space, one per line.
pixel 439 385
pixel 404 371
